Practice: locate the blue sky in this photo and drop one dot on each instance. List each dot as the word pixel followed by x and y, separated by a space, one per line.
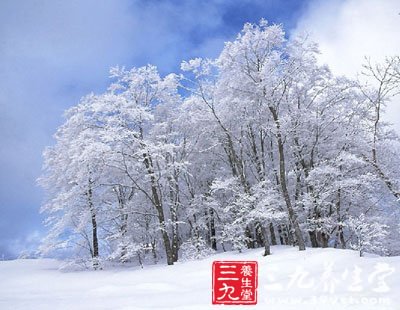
pixel 52 52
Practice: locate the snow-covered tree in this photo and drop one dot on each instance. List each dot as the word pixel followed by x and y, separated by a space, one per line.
pixel 259 146
pixel 369 234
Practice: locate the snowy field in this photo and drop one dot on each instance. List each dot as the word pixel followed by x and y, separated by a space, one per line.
pixel 288 279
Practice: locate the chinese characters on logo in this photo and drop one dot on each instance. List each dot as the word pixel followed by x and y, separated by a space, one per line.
pixel 330 280
pixel 234 282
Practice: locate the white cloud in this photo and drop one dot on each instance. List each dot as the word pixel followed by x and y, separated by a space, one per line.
pixel 349 30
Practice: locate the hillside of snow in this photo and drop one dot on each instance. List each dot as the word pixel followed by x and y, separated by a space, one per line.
pixel 288 279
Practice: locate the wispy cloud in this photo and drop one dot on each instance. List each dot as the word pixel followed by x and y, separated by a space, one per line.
pixel 347 31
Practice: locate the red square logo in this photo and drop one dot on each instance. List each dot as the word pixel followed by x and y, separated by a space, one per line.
pixel 234 282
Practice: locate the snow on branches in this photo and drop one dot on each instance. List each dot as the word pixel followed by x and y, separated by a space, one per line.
pixel 260 146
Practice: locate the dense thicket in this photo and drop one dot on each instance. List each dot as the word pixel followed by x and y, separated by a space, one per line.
pixel 258 147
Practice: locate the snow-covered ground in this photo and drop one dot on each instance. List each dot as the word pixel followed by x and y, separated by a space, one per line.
pixel 288 279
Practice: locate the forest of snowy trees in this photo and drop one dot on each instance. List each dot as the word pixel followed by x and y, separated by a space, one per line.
pixel 258 147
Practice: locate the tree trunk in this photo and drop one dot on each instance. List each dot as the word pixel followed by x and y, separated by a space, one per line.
pixel 158 205
pixel 175 234
pixel 249 238
pixel 153 251
pixel 95 241
pixel 339 234
pixel 124 221
pixel 313 239
pixel 260 229
pixel 212 229
pixel 281 236
pixel 282 181
pixel 272 233
pixel 324 239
